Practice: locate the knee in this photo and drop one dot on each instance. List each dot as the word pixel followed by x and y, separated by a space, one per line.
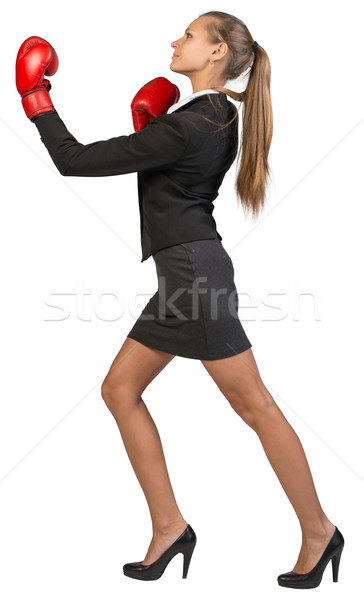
pixel 115 393
pixel 107 391
pixel 253 406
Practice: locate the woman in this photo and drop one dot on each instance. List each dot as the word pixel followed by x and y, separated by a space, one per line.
pixel 182 153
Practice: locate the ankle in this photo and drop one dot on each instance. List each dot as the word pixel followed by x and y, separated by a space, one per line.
pixel 164 527
pixel 318 530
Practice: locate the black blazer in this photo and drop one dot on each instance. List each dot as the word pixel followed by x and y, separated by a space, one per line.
pixel 181 161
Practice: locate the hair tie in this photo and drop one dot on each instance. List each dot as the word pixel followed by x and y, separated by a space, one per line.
pixel 254 45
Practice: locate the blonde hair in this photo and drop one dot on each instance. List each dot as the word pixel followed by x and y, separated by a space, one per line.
pixel 257 127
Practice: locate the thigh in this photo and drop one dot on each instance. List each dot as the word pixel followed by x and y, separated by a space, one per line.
pixel 238 378
pixel 133 368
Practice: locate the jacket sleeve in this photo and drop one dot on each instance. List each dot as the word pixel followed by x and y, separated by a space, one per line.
pixel 155 147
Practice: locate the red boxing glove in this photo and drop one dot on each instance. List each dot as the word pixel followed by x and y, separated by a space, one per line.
pixel 35 58
pixel 152 100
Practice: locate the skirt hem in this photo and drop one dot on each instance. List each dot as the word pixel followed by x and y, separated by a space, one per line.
pixel 202 356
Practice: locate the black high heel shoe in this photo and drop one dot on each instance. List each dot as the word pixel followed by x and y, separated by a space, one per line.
pixel 313 578
pixel 185 543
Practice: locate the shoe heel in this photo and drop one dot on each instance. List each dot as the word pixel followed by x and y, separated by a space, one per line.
pixel 335 560
pixel 187 554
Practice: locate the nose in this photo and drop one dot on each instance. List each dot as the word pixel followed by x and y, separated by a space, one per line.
pixel 175 44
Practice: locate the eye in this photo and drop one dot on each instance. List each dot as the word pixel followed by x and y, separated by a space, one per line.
pixel 188 34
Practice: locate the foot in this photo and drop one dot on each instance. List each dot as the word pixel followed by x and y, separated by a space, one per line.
pixel 160 542
pixel 312 550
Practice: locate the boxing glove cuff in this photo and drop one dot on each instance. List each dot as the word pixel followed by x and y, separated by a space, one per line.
pixel 37 102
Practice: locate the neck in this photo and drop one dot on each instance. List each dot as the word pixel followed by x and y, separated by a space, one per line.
pixel 199 85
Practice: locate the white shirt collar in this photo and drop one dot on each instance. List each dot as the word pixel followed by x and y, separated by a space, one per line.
pixel 189 98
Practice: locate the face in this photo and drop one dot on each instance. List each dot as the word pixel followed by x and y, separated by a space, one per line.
pixel 193 51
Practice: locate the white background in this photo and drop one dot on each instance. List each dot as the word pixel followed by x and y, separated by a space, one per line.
pixel 72 510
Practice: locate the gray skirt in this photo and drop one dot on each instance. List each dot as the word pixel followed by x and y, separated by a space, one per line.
pixel 194 312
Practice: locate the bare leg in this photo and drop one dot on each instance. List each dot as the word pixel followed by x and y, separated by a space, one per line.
pixel 134 367
pixel 239 380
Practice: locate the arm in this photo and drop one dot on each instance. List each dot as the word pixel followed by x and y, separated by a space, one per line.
pixel 156 147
